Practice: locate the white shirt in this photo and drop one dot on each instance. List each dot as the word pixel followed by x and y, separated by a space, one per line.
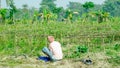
pixel 56 49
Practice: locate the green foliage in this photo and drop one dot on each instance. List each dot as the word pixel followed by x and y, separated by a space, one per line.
pixel 114 60
pixel 96 48
pixel 29 39
pixel 47 4
pixel 113 53
pixel 57 10
pixel 3 13
pixel 68 14
pixel 117 47
pixel 88 5
pixel 97 40
pixel 112 6
pixel 9 2
pixel 12 11
pixel 82 49
pixel 76 51
pixel 76 7
pixel 100 16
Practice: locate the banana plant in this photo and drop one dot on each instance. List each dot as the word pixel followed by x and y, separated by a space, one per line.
pixel 69 15
pixel 46 15
pixel 36 15
pixel 101 16
pixel 105 15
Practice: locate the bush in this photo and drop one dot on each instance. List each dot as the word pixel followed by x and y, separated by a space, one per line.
pixel 82 49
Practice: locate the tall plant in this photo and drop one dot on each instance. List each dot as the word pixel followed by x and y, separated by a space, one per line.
pixel 87 7
pixel 12 9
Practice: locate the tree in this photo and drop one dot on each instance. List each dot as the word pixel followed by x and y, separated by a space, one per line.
pixel 49 10
pixel 58 12
pixel 25 7
pixel 88 5
pixel 112 6
pixel 48 4
pixel 26 11
pixel 97 7
pixel 69 15
pixel 12 9
pixel 76 8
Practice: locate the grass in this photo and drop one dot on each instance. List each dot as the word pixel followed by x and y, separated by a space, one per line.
pixel 28 39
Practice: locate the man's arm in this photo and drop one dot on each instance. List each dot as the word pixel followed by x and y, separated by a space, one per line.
pixel 51 49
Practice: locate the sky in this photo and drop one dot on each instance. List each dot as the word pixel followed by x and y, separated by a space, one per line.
pixel 36 3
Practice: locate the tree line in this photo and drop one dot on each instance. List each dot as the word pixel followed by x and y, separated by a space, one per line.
pixel 48 11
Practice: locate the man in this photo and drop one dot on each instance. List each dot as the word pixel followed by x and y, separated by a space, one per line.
pixel 54 51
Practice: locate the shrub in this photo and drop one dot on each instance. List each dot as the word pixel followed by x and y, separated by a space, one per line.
pixel 82 49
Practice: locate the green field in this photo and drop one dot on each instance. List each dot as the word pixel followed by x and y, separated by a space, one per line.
pixel 88 30
pixel 101 41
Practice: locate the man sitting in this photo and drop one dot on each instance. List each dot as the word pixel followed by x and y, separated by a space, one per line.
pixel 54 51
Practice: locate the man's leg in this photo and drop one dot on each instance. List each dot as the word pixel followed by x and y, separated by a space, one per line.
pixel 47 52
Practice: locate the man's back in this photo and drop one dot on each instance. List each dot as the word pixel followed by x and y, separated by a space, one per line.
pixel 56 50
